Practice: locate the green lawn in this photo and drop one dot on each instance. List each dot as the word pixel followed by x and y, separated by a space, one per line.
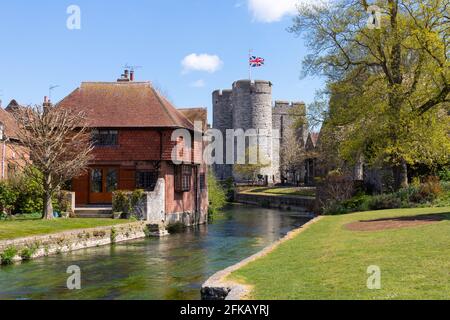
pixel 24 228
pixel 286 191
pixel 327 261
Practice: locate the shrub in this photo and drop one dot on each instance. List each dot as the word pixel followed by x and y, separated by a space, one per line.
pixel 176 227
pixel 29 194
pixel 8 198
pixel 216 194
pixel 121 202
pixel 27 253
pixel 136 197
pixel 385 201
pixel 8 255
pixel 444 174
pixel 62 202
pixel 113 235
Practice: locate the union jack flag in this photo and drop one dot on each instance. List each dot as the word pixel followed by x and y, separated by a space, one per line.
pixel 256 62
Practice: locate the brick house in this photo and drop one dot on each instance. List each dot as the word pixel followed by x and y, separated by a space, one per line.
pixel 132 126
pixel 12 154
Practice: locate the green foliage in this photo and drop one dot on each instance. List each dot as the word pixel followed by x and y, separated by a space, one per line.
pixel 216 194
pixel 7 256
pixel 29 193
pixel 229 188
pixel 388 87
pixel 444 174
pixel 8 197
pixel 62 202
pixel 125 202
pixel 113 235
pixel 27 253
pixel 136 197
pixel 176 227
pixel 430 193
pixel 121 202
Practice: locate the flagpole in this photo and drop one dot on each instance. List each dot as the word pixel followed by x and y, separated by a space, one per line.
pixel 249 65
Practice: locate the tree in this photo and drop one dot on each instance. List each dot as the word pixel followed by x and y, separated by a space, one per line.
pixel 255 162
pixel 388 87
pixel 216 195
pixel 292 154
pixel 60 147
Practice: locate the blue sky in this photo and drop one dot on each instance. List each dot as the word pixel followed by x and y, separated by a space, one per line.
pixel 38 50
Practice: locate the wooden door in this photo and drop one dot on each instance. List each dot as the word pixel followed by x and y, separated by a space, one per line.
pixel 103 182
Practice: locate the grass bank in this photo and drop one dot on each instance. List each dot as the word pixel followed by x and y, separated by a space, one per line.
pixel 328 261
pixel 32 227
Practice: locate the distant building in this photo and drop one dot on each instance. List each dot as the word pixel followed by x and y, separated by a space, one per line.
pixel 132 126
pixel 248 105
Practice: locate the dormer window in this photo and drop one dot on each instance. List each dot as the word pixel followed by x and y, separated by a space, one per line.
pixel 105 138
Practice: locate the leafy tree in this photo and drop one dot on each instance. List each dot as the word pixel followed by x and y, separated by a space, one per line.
pixel 216 194
pixel 255 162
pixel 389 86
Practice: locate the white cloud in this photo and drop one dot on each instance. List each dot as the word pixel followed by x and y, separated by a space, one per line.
pixel 201 62
pixel 198 84
pixel 274 10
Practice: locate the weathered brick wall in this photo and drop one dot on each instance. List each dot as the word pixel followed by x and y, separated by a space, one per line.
pixel 134 145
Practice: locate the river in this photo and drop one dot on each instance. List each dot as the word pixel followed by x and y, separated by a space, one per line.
pixel 173 267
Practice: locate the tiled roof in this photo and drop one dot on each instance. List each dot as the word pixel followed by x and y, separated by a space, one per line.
pixel 10 123
pixel 124 104
pixel 196 114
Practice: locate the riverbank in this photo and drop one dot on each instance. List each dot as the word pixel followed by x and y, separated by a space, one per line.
pixel 13 229
pixel 40 245
pixel 330 259
pixel 168 268
pixel 278 198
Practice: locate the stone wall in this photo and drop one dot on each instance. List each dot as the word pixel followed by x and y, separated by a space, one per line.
pixel 76 240
pixel 301 204
pixel 249 106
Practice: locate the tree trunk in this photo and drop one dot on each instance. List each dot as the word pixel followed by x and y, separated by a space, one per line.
pixel 48 207
pixel 47 203
pixel 401 175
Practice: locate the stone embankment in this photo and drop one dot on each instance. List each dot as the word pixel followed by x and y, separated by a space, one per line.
pixel 45 245
pixel 221 287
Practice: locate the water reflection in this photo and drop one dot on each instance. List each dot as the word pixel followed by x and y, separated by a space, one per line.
pixel 169 268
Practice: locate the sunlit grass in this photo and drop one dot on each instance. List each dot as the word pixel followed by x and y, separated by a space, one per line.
pixel 327 261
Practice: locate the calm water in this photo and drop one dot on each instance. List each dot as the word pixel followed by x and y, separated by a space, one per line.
pixel 169 268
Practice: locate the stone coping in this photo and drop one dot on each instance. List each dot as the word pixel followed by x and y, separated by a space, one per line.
pixel 262 194
pixel 220 287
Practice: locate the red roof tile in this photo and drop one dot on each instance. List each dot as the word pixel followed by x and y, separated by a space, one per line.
pixel 9 122
pixel 124 104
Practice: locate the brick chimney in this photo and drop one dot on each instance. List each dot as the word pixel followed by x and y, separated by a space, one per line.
pixel 124 77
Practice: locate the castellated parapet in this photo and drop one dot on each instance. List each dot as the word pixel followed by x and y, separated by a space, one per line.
pixel 249 106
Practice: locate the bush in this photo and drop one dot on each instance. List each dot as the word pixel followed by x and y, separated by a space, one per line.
pixel 385 201
pixel 216 195
pixel 176 227
pixel 29 194
pixel 444 174
pixel 8 198
pixel 121 202
pixel 27 253
pixel 8 255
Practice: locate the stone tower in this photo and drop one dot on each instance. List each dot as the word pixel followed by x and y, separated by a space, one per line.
pixel 223 120
pixel 248 106
pixel 252 109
